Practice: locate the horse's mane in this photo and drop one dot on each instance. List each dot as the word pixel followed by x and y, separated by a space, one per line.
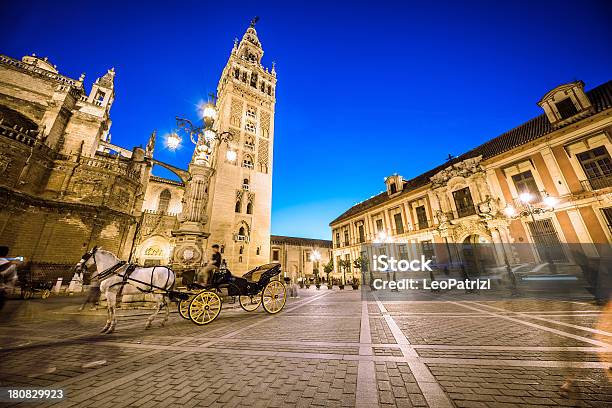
pixel 104 251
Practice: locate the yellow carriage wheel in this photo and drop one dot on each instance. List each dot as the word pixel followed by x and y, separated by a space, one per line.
pixel 204 307
pixel 45 293
pixel 274 296
pixel 250 303
pixel 183 307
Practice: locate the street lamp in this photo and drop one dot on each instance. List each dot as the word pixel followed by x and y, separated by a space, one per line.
pixel 315 257
pixel 530 210
pixel 203 137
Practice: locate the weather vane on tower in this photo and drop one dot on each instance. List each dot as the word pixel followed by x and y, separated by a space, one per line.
pixel 254 21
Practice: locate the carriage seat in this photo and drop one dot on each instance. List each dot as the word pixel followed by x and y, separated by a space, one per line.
pixel 254 275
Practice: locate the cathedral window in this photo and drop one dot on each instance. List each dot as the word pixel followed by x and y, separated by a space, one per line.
pixel 249 142
pixel 249 209
pixel 250 127
pixel 263 86
pixel 237 73
pixel 164 201
pixel 238 206
pixel 247 162
pixel 245 184
pixel 241 250
pixel 251 112
pixel 254 80
pixel 244 77
pixel 100 96
pixel 269 90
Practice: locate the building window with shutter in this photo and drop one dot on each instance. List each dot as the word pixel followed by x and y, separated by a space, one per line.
pixel 399 224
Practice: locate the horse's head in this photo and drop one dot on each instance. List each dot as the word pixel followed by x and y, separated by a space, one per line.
pixel 87 260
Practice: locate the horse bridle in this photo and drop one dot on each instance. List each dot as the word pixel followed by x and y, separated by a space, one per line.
pixel 105 273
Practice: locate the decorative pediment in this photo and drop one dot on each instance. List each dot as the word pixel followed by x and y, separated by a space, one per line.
pixel 566 103
pixel 464 169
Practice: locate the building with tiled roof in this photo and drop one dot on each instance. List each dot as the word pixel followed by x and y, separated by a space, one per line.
pixel 563 154
pixel 300 257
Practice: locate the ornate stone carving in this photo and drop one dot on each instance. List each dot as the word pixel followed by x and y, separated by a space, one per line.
pixel 262 156
pixel 236 112
pixel 465 169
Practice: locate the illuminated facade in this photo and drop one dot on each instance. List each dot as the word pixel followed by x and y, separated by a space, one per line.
pixel 559 161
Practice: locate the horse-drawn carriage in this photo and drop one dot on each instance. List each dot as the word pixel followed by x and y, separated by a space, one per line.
pixel 31 284
pixel 256 287
pixel 199 303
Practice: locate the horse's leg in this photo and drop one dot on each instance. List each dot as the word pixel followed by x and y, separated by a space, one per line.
pixel 108 314
pixel 112 301
pixel 167 315
pixel 160 304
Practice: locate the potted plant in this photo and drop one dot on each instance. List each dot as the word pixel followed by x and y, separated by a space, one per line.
pixel 328 268
pixel 307 283
pixel 344 265
pixel 316 279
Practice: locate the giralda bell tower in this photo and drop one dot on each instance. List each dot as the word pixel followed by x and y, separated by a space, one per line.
pixel 241 190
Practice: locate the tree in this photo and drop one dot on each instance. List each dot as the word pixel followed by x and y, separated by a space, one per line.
pixel 344 264
pixel 328 268
pixel 361 264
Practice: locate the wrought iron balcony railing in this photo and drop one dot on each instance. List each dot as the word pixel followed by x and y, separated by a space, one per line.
pixel 597 183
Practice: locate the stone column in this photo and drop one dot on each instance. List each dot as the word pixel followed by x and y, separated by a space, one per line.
pixel 189 240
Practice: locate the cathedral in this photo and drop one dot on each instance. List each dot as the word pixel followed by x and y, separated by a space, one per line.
pixel 66 187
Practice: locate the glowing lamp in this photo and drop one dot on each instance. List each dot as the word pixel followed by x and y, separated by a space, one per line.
pixel 550 201
pixel 231 155
pixel 173 141
pixel 525 197
pixel 209 112
pixel 209 135
pixel 509 211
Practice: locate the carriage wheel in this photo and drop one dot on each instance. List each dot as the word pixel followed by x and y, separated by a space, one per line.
pixel 45 293
pixel 274 296
pixel 183 307
pixel 204 307
pixel 26 294
pixel 250 303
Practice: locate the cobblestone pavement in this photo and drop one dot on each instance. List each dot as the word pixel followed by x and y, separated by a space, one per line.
pixel 327 348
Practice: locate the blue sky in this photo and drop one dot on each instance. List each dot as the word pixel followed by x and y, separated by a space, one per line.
pixel 364 89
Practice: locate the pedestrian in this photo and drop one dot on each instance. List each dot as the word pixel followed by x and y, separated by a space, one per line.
pixel 93 296
pixel 8 274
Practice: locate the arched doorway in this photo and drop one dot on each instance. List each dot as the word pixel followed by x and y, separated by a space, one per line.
pixel 478 254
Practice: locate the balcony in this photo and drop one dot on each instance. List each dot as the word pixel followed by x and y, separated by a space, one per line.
pixel 423 224
pixel 241 238
pixel 466 211
pixel 596 183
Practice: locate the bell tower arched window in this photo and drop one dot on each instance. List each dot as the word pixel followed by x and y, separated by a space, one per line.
pixel 164 201
pixel 238 206
pixel 249 209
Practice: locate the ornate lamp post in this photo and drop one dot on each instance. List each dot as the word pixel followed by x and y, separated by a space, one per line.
pixel 315 257
pixel 529 210
pixel 190 236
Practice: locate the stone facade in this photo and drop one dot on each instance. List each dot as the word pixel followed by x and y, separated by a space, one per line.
pixel 297 255
pixel 240 212
pixel 65 187
pixel 562 156
pixel 61 192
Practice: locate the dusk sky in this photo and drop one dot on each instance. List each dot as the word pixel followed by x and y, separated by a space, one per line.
pixel 365 89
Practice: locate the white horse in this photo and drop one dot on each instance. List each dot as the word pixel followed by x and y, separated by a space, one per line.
pixel 111 272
